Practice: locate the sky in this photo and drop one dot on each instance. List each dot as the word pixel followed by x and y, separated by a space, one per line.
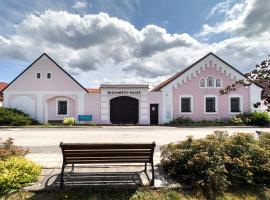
pixel 131 41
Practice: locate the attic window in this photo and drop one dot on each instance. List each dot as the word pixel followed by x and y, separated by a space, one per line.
pixel 38 76
pixel 218 83
pixel 49 75
pixel 202 83
pixel 210 81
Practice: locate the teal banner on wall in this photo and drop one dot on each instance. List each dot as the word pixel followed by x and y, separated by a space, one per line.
pixel 85 118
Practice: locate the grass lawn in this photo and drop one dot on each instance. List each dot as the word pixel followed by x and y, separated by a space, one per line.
pixel 140 194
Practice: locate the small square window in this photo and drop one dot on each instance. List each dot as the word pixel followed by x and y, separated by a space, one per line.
pixel 38 75
pixel 49 75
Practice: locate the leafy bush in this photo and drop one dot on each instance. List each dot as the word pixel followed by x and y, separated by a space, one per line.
pixel 17 172
pixel 188 121
pixel 254 118
pixel 236 120
pixel 260 118
pixel 182 121
pixel 264 140
pixel 69 121
pixel 14 117
pixel 7 149
pixel 218 162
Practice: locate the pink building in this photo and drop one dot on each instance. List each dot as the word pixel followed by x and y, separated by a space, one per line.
pixel 48 93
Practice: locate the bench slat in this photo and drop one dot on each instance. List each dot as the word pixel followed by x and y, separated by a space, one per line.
pixel 105 150
pixel 107 158
pixel 104 161
pixel 71 146
pixel 109 154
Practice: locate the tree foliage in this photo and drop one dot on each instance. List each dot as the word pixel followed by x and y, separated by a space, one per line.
pixel 260 76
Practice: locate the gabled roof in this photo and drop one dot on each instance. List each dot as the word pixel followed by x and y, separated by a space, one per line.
pixel 44 54
pixel 172 78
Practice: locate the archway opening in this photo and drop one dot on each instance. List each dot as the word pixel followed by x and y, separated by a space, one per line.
pixel 124 110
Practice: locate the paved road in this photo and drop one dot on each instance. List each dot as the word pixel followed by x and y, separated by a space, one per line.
pixel 39 138
pixel 43 142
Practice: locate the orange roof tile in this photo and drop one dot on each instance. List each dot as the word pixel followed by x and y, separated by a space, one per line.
pixel 2 86
pixel 93 90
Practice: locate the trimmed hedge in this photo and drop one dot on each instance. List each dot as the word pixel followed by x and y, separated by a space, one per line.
pixel 219 162
pixel 14 117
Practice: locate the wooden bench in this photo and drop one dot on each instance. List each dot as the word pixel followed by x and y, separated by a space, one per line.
pixel 79 153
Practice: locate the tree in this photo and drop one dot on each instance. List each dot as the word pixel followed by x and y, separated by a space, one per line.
pixel 260 76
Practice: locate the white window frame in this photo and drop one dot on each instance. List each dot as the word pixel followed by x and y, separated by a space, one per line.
pixel 216 83
pixel 241 103
pixel 62 99
pixel 40 75
pixel 216 104
pixel 206 82
pixel 191 104
pixel 205 86
pixel 47 75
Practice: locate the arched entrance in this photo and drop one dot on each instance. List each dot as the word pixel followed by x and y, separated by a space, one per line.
pixel 124 110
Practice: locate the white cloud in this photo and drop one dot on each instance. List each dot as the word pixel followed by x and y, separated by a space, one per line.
pixel 80 4
pixel 98 48
pixel 248 18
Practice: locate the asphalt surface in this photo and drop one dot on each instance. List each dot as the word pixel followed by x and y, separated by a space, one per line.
pixel 46 140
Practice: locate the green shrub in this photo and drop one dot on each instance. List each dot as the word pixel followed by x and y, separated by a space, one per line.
pixel 218 162
pixel 14 117
pixel 182 121
pixel 254 118
pixel 264 140
pixel 7 149
pixel 249 162
pixel 237 120
pixel 69 121
pixel 260 118
pixel 17 172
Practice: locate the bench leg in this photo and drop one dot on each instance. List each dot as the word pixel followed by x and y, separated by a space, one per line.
pixel 72 168
pixel 145 167
pixel 145 171
pixel 62 177
pixel 152 183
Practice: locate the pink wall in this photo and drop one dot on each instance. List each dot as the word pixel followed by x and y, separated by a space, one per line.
pixel 191 87
pixel 58 82
pixel 92 106
pixel 52 108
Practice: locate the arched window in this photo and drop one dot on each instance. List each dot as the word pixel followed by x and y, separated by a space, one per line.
pixel 210 81
pixel 202 82
pixel 218 83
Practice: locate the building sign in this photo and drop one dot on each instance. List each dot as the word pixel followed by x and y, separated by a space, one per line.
pixel 124 92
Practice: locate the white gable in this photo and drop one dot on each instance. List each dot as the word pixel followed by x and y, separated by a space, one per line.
pixel 209 61
pixel 59 81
